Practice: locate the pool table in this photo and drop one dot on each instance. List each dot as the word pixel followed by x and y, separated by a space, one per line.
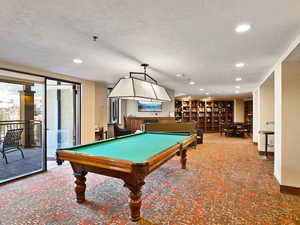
pixel 130 158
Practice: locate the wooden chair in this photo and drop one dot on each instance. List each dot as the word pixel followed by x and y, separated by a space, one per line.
pixel 11 143
pixel 241 130
pixel 99 134
pixel 228 129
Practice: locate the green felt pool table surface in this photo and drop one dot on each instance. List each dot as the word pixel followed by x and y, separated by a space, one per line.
pixel 137 148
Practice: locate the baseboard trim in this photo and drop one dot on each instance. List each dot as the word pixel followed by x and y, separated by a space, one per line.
pixel 263 153
pixel 290 190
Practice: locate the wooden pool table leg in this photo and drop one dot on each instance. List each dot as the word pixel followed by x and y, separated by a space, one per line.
pixel 80 186
pixel 182 153
pixel 183 158
pixel 135 200
pixel 134 182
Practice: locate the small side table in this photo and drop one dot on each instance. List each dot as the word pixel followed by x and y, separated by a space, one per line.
pixel 266 133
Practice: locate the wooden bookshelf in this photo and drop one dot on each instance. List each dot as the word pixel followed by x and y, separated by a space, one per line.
pixel 208 114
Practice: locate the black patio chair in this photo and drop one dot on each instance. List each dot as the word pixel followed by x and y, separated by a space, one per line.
pixel 11 143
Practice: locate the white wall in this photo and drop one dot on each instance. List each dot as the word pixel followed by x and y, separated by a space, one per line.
pixel 101 112
pixel 290 124
pixel 167 108
pixel 278 123
pixel 286 160
pixel 256 115
pixel 266 107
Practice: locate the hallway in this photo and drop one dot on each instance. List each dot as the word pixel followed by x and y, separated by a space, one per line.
pixel 227 182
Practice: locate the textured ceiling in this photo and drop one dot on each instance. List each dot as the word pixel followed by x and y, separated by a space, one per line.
pixel 193 37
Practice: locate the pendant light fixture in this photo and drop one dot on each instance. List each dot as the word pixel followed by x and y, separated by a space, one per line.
pixel 145 88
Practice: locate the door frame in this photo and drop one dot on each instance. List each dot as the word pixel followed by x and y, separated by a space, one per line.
pixel 76 124
pixel 44 135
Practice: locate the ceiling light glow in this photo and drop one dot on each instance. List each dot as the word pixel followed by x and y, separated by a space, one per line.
pixel 238 79
pixel 201 89
pixel 77 61
pixel 239 65
pixel 207 93
pixel 191 82
pixel 242 28
pixel 238 87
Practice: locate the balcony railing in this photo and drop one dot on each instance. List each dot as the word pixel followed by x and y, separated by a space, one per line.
pixel 32 128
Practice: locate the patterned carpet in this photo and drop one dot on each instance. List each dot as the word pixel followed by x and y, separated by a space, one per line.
pixel 227 182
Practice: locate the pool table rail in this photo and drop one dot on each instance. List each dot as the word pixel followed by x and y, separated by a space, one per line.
pixel 97 161
pixel 178 149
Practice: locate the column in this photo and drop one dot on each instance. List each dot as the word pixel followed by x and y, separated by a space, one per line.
pixel 266 110
pixel 239 111
pixel 287 125
pixel 27 114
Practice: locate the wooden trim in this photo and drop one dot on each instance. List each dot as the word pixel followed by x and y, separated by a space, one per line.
pixel 255 143
pixel 264 153
pixel 160 158
pixel 97 161
pixel 290 190
pixel 11 80
pixel 134 123
pixel 188 127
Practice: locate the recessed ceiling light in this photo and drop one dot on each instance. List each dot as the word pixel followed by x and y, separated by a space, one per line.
pixel 201 89
pixel 238 79
pixel 191 82
pixel 179 75
pixel 237 92
pixel 238 87
pixel 242 28
pixel 239 65
pixel 207 93
pixel 77 61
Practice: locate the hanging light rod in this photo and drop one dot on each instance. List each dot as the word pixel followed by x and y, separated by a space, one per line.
pixel 139 89
pixel 145 73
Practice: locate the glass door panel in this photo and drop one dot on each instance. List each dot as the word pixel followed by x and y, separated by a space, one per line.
pixel 62 115
pixel 22 107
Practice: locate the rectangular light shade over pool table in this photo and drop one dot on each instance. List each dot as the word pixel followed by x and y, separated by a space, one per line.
pixel 130 158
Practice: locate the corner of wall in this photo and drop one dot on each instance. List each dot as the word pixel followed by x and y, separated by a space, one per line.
pixel 278 123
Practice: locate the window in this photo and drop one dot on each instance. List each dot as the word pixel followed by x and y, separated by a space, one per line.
pixel 10 101
pixel 114 110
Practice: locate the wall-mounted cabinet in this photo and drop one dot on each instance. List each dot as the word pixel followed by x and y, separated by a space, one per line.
pixel 208 114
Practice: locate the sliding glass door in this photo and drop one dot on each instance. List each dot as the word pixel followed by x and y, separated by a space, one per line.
pixel 37 116
pixel 63 115
pixel 22 107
